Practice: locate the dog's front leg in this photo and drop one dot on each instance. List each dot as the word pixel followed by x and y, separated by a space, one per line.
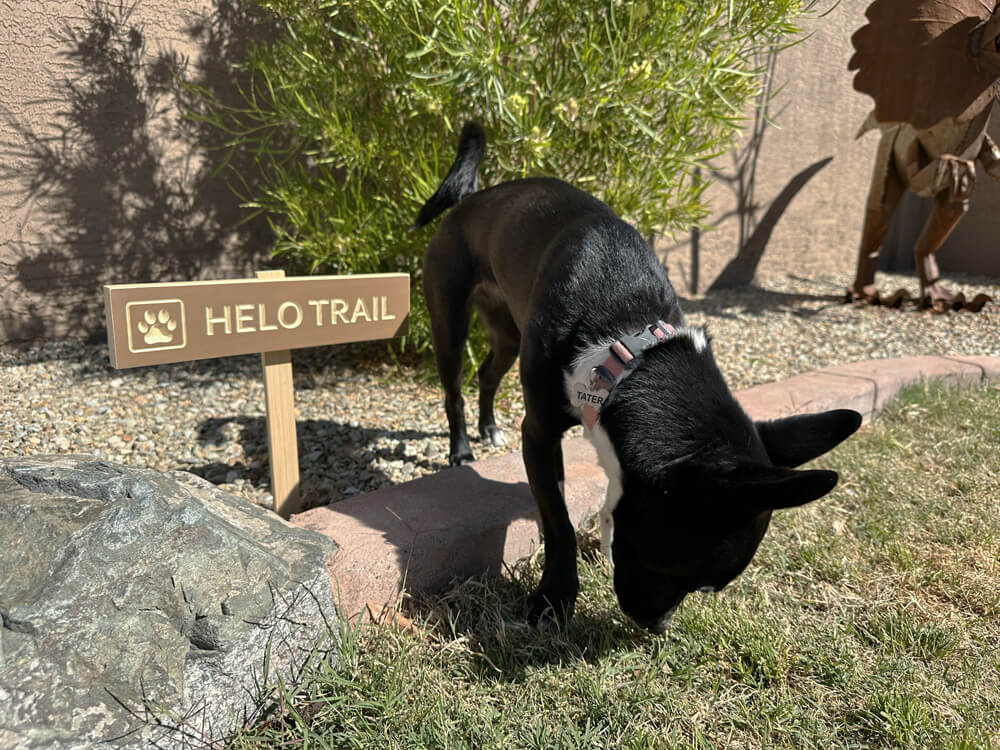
pixel 543 462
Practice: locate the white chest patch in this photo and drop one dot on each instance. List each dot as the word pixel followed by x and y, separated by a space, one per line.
pixel 606 456
pixel 608 460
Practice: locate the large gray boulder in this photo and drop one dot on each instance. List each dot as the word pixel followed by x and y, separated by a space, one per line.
pixel 139 607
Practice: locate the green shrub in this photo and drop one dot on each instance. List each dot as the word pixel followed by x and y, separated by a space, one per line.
pixel 352 111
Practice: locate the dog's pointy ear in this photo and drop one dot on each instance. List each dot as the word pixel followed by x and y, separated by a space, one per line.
pixel 773 488
pixel 792 441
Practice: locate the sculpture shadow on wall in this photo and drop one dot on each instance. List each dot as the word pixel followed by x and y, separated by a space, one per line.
pixel 753 234
pixel 122 187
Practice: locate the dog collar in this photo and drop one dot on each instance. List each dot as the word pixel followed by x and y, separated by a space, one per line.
pixel 598 378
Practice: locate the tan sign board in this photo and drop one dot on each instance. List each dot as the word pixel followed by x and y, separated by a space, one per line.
pixel 152 324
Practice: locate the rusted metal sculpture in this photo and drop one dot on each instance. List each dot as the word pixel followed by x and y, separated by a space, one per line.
pixel 932 67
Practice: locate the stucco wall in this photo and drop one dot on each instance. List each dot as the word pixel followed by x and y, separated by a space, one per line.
pixel 100 179
pixel 818 114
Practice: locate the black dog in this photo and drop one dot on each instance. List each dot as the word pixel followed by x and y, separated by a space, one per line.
pixel 559 280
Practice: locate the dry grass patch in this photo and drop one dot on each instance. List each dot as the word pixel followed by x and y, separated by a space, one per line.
pixel 867 620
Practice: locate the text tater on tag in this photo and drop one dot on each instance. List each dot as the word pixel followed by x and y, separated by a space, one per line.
pixel 582 395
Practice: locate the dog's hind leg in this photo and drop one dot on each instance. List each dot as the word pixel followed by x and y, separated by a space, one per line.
pixel 504 338
pixel 447 286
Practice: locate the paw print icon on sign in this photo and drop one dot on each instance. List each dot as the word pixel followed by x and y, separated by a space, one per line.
pixel 157 328
pixel 156 325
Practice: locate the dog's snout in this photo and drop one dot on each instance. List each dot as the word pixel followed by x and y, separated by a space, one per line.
pixel 658 625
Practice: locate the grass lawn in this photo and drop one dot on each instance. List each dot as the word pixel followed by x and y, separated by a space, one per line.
pixel 869 619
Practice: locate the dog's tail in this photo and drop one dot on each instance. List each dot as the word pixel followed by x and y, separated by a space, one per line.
pixel 462 178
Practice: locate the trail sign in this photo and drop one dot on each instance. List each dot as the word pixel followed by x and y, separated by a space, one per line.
pixel 150 324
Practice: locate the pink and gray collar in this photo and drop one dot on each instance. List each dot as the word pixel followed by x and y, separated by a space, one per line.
pixel 597 376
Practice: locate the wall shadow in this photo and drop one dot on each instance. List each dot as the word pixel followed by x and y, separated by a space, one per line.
pixel 122 187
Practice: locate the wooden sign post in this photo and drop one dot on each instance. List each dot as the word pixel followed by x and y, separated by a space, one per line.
pixel 282 443
pixel 150 324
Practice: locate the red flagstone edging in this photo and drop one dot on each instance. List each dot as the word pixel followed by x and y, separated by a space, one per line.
pixel 471 519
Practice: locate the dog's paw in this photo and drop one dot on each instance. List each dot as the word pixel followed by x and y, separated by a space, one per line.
pixel 461 459
pixel 492 435
pixel 551 609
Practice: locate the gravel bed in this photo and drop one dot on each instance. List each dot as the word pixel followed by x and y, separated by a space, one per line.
pixel 365 424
